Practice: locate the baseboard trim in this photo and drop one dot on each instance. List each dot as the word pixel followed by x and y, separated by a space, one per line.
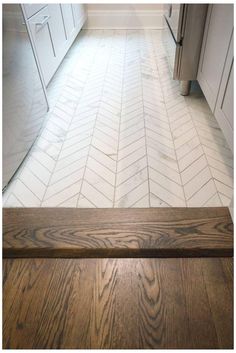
pixel 124 20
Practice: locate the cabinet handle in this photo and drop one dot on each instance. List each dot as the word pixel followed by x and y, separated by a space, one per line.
pixel 40 25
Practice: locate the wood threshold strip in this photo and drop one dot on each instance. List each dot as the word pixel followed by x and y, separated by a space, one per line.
pixel 94 233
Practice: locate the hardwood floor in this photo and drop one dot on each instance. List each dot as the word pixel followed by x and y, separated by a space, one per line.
pixel 160 232
pixel 114 302
pixel 118 303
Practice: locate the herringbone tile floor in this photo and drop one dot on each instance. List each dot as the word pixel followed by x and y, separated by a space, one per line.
pixel 119 134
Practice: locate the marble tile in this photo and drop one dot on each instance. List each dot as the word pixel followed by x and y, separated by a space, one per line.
pixel 119 134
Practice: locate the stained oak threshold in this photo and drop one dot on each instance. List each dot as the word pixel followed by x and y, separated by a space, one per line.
pixel 117 233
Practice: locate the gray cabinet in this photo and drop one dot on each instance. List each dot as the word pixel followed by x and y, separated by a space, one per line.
pixel 217 34
pixel 215 72
pixel 224 110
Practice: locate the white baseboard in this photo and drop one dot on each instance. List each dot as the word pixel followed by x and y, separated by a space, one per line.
pixel 124 20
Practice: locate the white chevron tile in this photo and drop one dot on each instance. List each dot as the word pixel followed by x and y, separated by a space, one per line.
pixel 101 169
pixel 225 200
pixel 203 195
pixel 131 170
pixel 25 195
pixel 222 177
pixel 70 202
pixel 33 183
pixel 84 203
pixel 165 195
pixel 63 195
pixel 133 196
pixel 142 203
pixel 120 135
pixel 191 171
pixel 190 157
pixel 166 182
pixel 221 166
pixel 224 189
pixel 42 173
pixel 12 201
pixel 131 158
pixel 99 183
pixel 128 185
pixel 213 201
pixel 197 182
pixel 187 148
pixel 57 187
pixel 95 196
pixel 157 202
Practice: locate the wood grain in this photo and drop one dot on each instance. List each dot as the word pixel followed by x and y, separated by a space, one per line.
pixel 117 233
pixel 117 303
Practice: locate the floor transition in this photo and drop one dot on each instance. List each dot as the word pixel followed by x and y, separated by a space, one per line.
pixel 54 296
pixel 120 135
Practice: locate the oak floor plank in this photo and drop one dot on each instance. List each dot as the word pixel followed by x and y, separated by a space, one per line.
pixel 197 305
pixel 220 300
pixel 102 316
pixel 179 232
pixel 126 325
pixel 111 303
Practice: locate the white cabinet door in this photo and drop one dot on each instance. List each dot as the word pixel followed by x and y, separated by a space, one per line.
pixel 69 21
pixel 80 15
pixel 57 29
pixel 40 28
pixel 217 34
pixel 224 111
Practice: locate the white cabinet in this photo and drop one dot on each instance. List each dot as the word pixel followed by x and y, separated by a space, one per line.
pixel 215 72
pixel 68 19
pixel 53 30
pixel 79 14
pixel 57 29
pixel 217 34
pixel 224 111
pixel 32 9
pixel 40 28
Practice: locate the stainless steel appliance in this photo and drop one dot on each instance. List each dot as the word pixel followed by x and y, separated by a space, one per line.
pixel 183 39
pixel 24 97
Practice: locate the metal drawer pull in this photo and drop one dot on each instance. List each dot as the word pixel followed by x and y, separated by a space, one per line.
pixel 41 24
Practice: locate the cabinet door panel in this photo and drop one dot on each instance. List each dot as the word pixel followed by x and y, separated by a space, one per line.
pixel 43 42
pixel 79 15
pixel 216 40
pixel 57 28
pixel 69 21
pixel 224 111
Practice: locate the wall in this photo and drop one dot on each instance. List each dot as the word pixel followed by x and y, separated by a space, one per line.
pixel 121 16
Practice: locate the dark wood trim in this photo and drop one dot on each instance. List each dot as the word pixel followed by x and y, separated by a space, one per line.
pixel 86 233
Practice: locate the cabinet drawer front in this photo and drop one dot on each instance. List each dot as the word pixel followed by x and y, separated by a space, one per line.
pixel 32 9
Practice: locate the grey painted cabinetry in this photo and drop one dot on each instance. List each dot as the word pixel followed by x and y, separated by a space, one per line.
pixel 53 29
pixel 215 73
pixel 224 110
